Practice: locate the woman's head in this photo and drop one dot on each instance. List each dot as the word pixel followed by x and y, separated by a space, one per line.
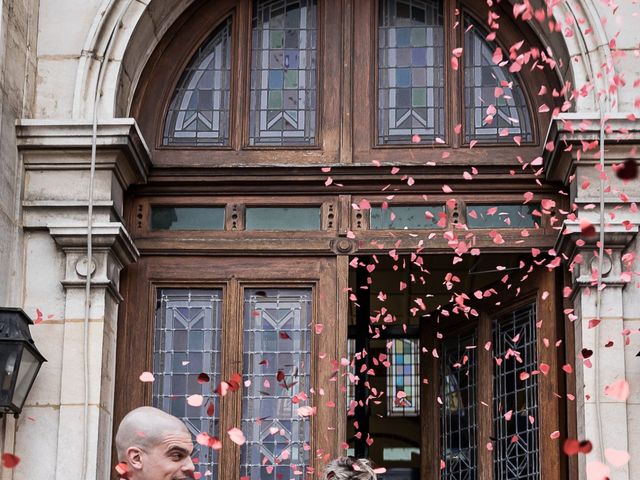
pixel 347 468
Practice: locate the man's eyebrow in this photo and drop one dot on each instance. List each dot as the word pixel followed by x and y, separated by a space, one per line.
pixel 177 448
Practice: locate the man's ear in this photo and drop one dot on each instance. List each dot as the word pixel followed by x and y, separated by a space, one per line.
pixel 134 458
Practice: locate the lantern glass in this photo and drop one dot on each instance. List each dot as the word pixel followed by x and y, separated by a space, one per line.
pixel 9 354
pixel 29 366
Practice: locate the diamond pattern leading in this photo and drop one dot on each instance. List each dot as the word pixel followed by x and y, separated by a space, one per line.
pixel 277 356
pixel 458 421
pixel 516 452
pixel 186 344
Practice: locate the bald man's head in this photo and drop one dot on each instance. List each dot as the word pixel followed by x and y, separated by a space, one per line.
pixel 145 427
pixel 155 446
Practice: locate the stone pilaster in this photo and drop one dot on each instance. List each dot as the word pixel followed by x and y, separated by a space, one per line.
pixel 56 157
pixel 575 161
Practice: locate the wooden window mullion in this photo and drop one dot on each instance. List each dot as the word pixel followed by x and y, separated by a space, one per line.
pixel 484 401
pixel 548 402
pixel 430 408
pixel 230 404
pixel 454 30
pixel 241 74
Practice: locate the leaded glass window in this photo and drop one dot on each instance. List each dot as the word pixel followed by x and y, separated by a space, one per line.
pixel 283 73
pixel 199 111
pixel 410 71
pixel 186 346
pixel 403 378
pixel 458 412
pixel 516 450
pixel 277 356
pixel 495 106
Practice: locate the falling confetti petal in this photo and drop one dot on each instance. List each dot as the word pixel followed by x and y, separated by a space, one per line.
pixel 236 436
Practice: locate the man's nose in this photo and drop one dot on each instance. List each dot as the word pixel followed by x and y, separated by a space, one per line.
pixel 189 466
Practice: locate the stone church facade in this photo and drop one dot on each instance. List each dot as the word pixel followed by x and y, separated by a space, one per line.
pixel 95 97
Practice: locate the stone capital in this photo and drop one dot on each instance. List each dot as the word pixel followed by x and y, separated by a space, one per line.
pixel 112 250
pixel 580 251
pixel 569 132
pixel 66 145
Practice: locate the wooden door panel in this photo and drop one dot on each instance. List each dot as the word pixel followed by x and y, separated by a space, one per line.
pixel 232 276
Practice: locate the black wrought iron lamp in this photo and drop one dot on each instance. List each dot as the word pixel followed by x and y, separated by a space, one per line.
pixel 20 360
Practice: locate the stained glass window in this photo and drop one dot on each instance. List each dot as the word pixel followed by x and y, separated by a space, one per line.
pixel 516 449
pixel 496 110
pixel 403 378
pixel 283 73
pixel 199 111
pixel 503 216
pixel 458 412
pixel 277 356
pixel 186 346
pixel 410 71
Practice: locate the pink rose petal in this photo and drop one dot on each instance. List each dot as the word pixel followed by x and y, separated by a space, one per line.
pixel 236 436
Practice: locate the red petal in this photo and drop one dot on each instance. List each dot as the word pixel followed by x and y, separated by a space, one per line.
pixel 9 460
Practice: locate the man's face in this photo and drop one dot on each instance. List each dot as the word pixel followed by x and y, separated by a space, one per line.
pixel 169 459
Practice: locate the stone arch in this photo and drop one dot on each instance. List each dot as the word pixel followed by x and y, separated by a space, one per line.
pixel 125 33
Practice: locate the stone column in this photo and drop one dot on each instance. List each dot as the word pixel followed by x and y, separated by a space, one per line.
pixel 601 351
pixel 56 156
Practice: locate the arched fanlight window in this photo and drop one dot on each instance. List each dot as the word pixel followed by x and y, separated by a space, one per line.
pixel 283 73
pixel 410 70
pixel 199 111
pixel 495 107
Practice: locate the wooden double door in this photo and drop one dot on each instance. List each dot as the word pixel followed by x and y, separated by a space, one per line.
pixel 291 350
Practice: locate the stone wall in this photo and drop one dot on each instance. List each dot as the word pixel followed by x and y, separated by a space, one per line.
pixel 45 190
pixel 18 35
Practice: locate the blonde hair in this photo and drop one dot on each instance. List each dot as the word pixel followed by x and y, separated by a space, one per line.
pixel 347 468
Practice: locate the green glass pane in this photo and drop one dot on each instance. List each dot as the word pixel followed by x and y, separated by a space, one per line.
pixel 187 218
pixel 276 39
pixel 418 37
pixel 502 216
pixel 405 217
pixel 418 97
pixel 291 79
pixel 282 218
pixel 275 99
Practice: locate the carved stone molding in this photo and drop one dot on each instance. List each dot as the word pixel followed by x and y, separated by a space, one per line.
pixel 568 131
pixel 113 249
pixel 42 138
pixel 580 251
